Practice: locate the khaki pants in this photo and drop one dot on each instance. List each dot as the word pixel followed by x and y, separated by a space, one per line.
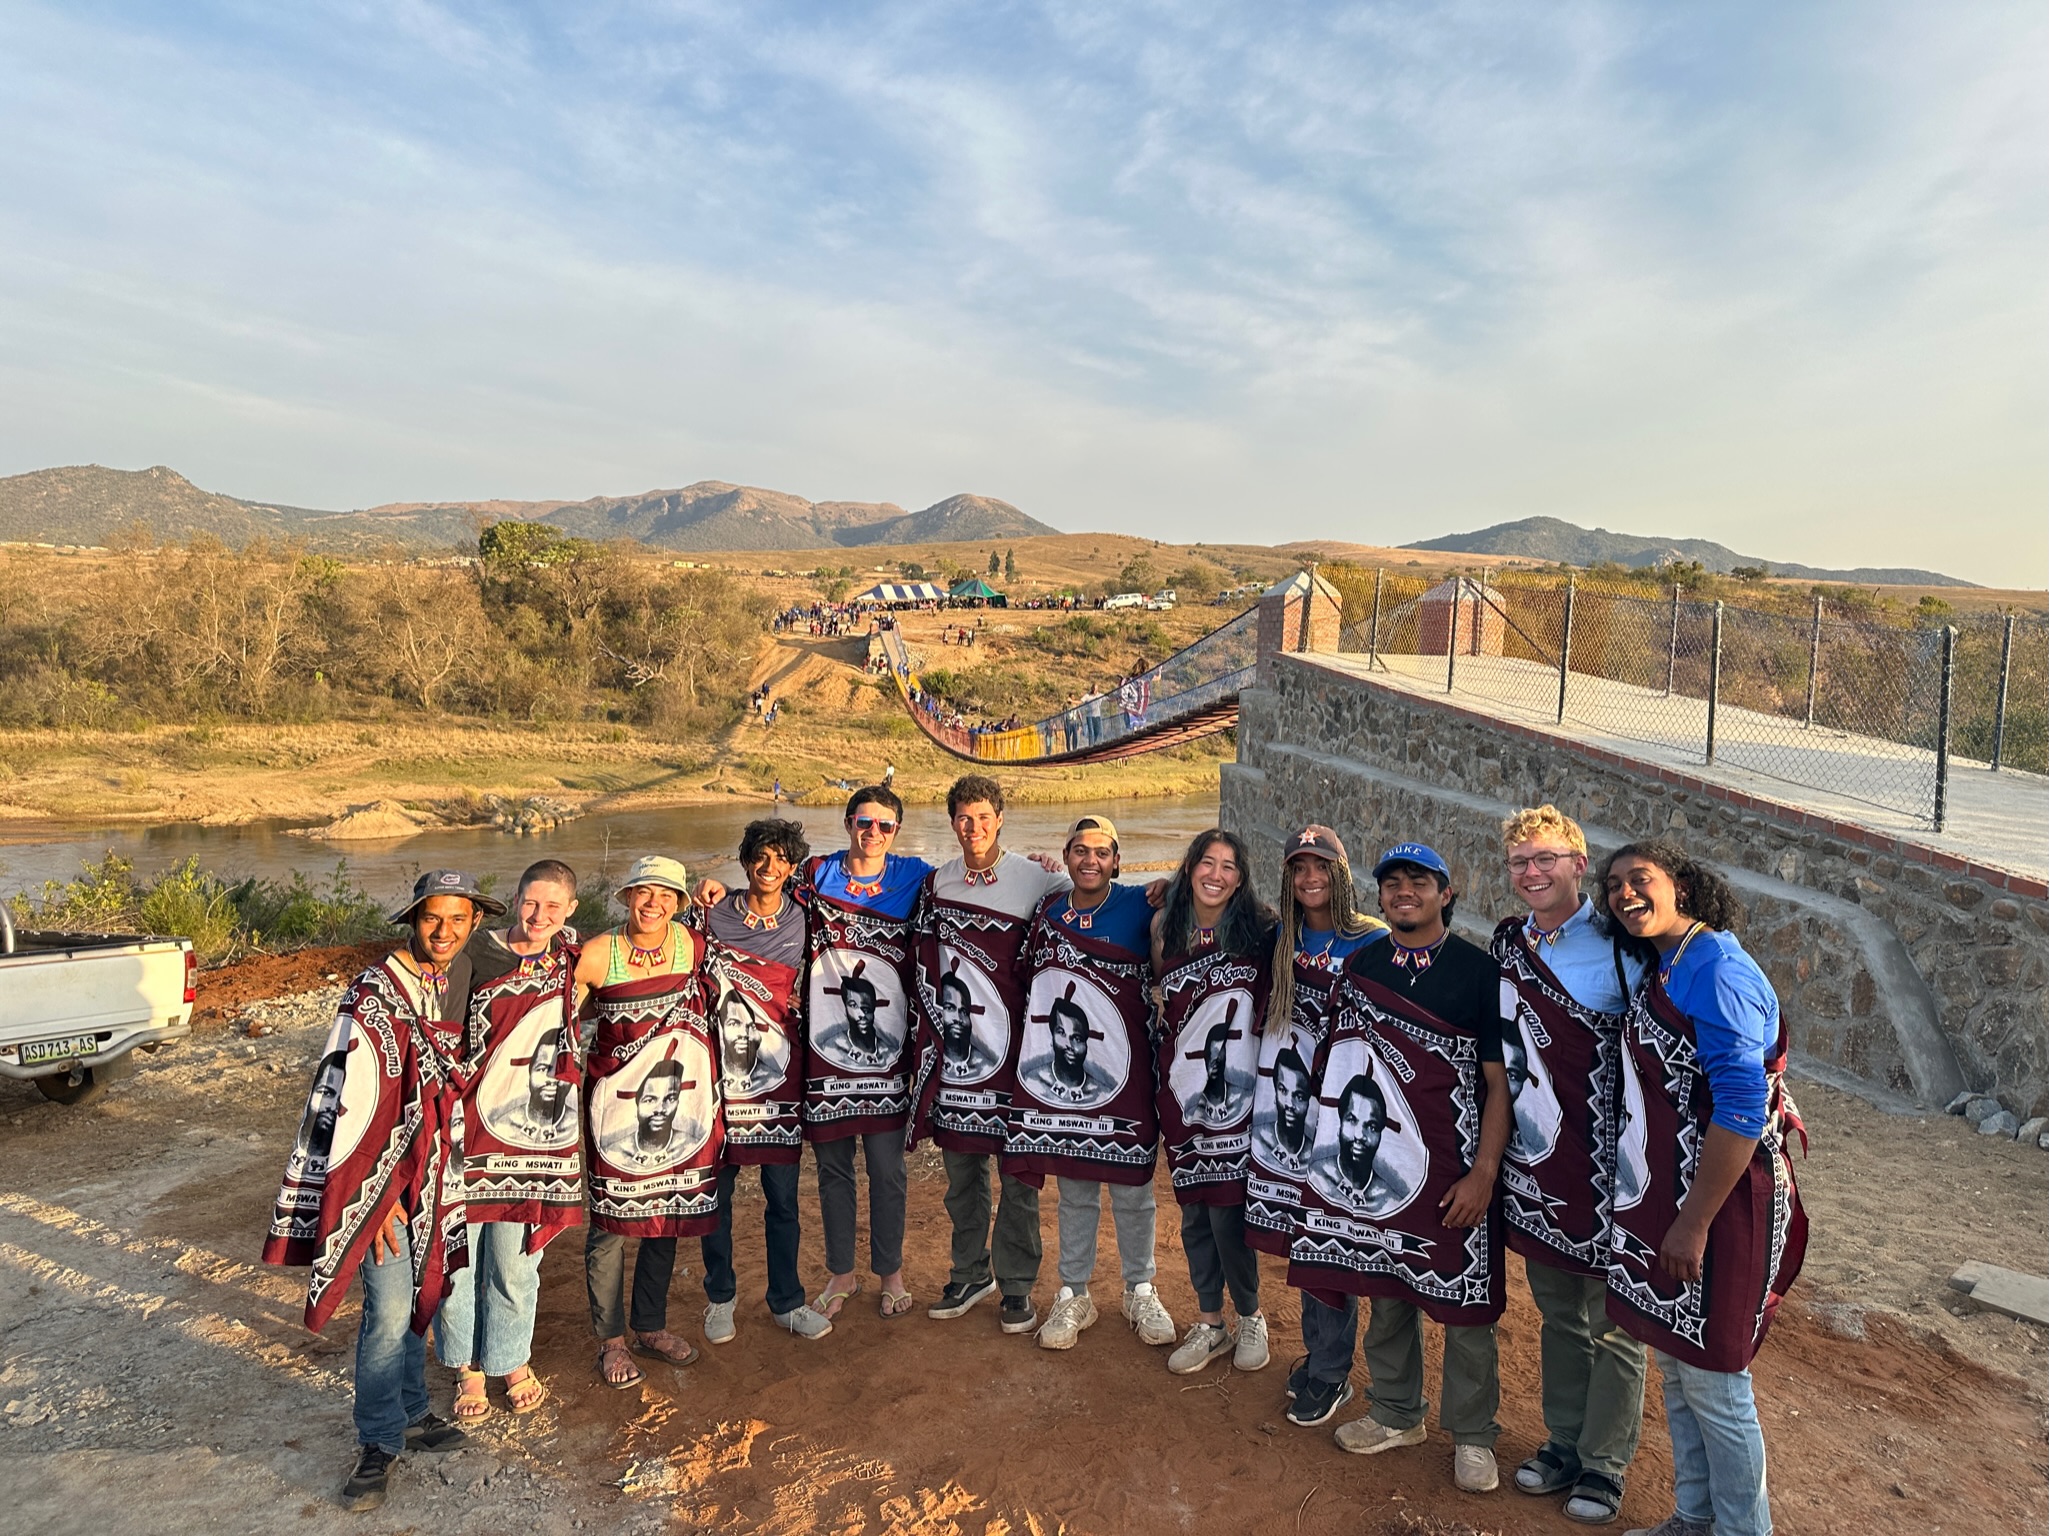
pixel 1394 1361
pixel 1593 1372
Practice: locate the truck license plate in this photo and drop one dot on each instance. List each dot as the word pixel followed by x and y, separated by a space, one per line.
pixel 59 1050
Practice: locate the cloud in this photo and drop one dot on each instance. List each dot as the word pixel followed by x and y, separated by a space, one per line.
pixel 1371 272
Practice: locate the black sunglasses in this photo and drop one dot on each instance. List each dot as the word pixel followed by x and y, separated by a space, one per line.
pixel 874 823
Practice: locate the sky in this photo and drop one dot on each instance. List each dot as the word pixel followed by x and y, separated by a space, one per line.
pixel 1770 274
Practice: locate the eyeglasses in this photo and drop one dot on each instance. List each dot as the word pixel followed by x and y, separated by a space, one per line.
pixel 874 824
pixel 1542 862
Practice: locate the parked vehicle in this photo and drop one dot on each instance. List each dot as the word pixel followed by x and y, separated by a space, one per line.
pixel 1159 602
pixel 75 1007
pixel 1125 600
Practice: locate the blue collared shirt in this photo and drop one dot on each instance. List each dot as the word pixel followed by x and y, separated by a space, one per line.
pixel 1583 960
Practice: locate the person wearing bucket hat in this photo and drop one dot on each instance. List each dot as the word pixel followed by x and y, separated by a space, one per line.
pixel 645 968
pixel 1320 929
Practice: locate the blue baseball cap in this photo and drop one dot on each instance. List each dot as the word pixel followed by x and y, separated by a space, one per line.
pixel 1418 854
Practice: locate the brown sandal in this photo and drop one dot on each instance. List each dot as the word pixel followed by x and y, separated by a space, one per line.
pixel 618 1347
pixel 524 1391
pixel 471 1403
pixel 688 1354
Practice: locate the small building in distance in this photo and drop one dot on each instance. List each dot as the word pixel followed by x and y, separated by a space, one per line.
pixel 1481 629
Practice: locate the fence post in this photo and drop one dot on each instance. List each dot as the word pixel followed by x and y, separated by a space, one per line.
pixel 1458 600
pixel 1672 645
pixel 1999 708
pixel 1565 646
pixel 1949 666
pixel 1813 660
pixel 1373 642
pixel 1714 678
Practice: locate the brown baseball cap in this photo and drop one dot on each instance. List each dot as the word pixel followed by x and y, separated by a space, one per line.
pixel 1101 824
pixel 1318 842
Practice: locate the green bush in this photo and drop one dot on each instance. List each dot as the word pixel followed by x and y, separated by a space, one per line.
pixel 191 904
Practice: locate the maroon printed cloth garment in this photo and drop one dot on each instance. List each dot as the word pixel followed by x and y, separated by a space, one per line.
pixel 523 1129
pixel 382 1131
pixel 1206 1062
pixel 970 1009
pixel 759 1010
pixel 860 984
pixel 1285 1111
pixel 1564 1079
pixel 655 1131
pixel 1758 1239
pixel 1083 1105
pixel 1400 1124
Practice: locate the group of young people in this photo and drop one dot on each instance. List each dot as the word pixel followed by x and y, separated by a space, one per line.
pixel 1376 1102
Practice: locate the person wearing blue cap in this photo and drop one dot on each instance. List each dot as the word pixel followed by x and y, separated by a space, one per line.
pixel 1440 982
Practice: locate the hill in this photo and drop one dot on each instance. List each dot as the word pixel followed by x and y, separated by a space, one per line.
pixel 87 504
pixel 1563 543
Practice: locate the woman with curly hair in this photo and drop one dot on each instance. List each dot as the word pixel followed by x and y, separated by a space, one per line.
pixel 1709 1231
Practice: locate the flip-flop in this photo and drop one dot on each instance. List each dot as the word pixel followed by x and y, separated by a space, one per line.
pixel 640 1345
pixel 619 1386
pixel 896 1303
pixel 830 1300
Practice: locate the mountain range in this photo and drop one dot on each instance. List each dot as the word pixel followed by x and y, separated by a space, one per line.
pixel 1563 543
pixel 88 504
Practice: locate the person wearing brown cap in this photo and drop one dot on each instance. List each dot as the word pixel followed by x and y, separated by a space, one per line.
pixel 398 1039
pixel 1320 928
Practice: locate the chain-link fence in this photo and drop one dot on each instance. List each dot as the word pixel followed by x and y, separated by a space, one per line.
pixel 1834 699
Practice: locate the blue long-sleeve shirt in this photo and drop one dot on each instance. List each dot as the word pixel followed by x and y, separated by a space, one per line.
pixel 1735 1018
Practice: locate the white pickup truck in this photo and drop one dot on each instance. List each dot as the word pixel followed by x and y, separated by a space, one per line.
pixel 74 1006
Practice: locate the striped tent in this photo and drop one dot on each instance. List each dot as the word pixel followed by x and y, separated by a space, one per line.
pixel 892 592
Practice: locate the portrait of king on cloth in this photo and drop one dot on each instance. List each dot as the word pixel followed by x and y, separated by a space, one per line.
pixel 859 1015
pixel 645 1115
pixel 1285 1135
pixel 754 1054
pixel 1632 1152
pixel 974 1026
pixel 1538 1115
pixel 1369 1161
pixel 1076 1052
pixel 521 1100
pixel 1214 1083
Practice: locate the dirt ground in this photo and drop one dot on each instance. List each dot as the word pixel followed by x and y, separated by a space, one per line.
pixel 153 1376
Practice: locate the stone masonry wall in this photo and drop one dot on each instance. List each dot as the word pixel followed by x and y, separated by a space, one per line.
pixel 1915 978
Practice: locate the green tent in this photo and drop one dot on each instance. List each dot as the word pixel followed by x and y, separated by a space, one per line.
pixel 974 590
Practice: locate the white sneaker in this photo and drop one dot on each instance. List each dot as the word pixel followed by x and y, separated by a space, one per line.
pixel 1071 1312
pixel 1473 1469
pixel 1369 1437
pixel 719 1327
pixel 804 1322
pixel 1148 1315
pixel 1205 1341
pixel 1251 1355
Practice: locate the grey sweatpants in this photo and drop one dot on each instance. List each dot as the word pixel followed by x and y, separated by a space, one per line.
pixel 883 1151
pixel 1081 1215
pixel 1213 1237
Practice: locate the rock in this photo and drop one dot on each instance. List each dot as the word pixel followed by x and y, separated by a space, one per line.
pixel 2001 1124
pixel 1982 1108
pixel 1961 1102
pixel 2031 1130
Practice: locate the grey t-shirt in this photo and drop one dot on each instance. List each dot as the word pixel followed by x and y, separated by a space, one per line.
pixel 1019 887
pixel 783 944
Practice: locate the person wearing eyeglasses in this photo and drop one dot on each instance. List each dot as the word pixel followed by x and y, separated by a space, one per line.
pixel 1564 987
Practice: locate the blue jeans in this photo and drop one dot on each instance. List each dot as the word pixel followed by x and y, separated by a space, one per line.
pixel 391 1360
pixel 487 1323
pixel 1717 1448
pixel 779 1228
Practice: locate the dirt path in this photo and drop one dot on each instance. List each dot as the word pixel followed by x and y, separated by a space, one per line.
pixel 153 1377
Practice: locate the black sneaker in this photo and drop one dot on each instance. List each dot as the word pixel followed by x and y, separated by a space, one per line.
pixel 366 1485
pixel 1298 1378
pixel 434 1434
pixel 1316 1401
pixel 955 1300
pixel 1019 1315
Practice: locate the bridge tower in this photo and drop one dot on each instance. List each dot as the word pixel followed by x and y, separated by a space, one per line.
pixel 1303 613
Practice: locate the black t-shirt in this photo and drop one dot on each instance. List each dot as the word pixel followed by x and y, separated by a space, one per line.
pixel 1462 986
